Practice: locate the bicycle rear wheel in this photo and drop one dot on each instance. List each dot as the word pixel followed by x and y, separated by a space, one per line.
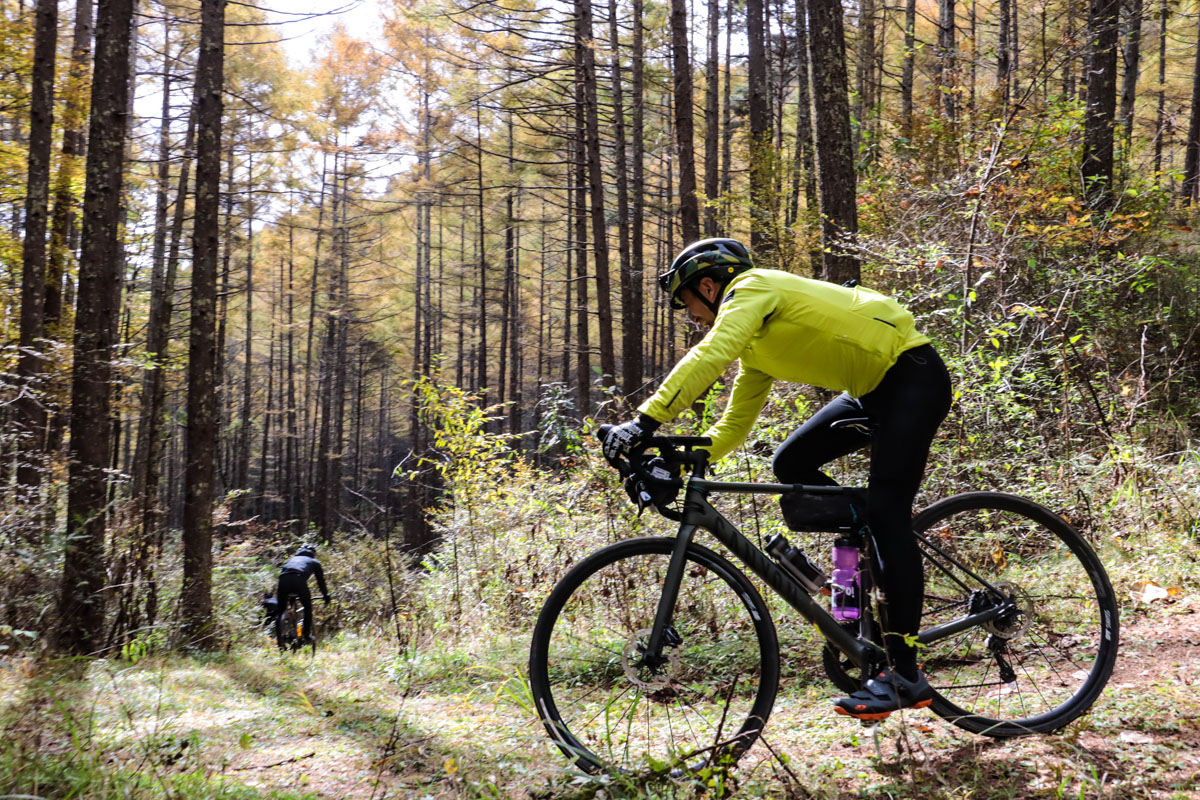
pixel 1041 663
pixel 605 708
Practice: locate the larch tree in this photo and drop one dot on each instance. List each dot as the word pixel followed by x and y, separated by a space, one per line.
pixel 202 413
pixel 908 71
pixel 1133 56
pixel 1097 163
pixel 631 283
pixel 712 124
pixel 595 180
pixel 81 601
pixel 63 227
pixel 835 159
pixel 30 363
pixel 1191 166
pixel 761 157
pixel 681 63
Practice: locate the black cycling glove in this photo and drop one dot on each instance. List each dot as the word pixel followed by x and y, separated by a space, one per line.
pixel 618 440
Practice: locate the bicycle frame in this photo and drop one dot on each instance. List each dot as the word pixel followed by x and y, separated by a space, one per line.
pixel 699 513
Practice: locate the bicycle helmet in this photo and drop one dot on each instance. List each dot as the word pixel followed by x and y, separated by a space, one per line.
pixel 307 550
pixel 719 259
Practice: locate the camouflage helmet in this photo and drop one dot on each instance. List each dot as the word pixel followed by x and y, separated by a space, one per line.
pixel 719 259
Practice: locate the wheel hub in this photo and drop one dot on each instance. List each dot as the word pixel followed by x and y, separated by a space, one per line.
pixel 639 672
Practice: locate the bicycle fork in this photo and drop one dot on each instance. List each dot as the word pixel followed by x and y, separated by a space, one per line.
pixel 661 633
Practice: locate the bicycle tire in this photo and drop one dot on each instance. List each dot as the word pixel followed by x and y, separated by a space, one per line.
pixel 605 710
pixel 1060 641
pixel 281 628
pixel 287 631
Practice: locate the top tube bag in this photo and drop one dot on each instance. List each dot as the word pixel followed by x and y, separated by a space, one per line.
pixel 803 511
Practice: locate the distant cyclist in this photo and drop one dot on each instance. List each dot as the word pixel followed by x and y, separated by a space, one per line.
pixel 293 582
pixel 846 338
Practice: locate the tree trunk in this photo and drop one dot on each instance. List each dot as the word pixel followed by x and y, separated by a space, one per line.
pixel 583 363
pixel 513 268
pixel 761 158
pixel 1191 168
pixel 1160 121
pixel 948 57
pixel 804 165
pixel 631 295
pixel 712 125
pixel 865 58
pixel 727 124
pixel 906 78
pixel 227 444
pixel 81 603
pixel 30 363
pixel 681 67
pixel 241 480
pixel 568 276
pixel 336 355
pixel 260 505
pixel 195 597
pixel 587 62
pixel 635 320
pixel 1133 57
pixel 1097 167
pixel 292 480
pixel 310 500
pixel 835 160
pixel 74 144
pixel 147 463
pixel 481 356
pixel 1003 53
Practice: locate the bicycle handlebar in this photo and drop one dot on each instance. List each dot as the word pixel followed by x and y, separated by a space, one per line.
pixel 674 450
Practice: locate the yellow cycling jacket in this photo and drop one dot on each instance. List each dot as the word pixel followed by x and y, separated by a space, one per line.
pixel 784 327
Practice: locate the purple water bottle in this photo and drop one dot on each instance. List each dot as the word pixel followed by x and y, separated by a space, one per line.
pixel 844 580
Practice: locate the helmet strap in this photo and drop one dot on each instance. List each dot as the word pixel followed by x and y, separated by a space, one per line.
pixel 712 305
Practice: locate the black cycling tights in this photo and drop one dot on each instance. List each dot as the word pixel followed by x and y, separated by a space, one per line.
pixel 906 409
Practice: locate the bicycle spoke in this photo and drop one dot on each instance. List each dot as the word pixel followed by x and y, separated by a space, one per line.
pixel 615 706
pixel 1038 662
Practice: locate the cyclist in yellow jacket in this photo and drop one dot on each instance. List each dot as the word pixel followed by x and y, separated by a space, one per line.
pixel 781 326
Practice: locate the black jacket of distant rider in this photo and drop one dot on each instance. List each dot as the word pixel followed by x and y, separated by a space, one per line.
pixel 305 566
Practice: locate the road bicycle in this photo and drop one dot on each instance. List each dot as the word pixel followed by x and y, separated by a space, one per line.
pixel 289 628
pixel 659 651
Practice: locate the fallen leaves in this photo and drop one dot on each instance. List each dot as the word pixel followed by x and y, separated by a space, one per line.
pixel 1151 592
pixel 1134 737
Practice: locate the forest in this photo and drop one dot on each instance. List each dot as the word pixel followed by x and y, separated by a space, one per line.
pixel 378 299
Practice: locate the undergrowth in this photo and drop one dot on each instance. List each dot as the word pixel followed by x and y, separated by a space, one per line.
pixel 1072 342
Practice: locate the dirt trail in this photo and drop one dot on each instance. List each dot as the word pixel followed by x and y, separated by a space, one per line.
pixel 1142 740
pixel 339 726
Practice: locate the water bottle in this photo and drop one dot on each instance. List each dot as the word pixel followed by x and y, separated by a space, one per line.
pixel 844 581
pixel 794 560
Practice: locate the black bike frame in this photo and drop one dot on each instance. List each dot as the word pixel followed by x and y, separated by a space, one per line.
pixel 699 513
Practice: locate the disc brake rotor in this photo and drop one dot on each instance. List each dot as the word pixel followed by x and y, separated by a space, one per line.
pixel 1013 624
pixel 636 670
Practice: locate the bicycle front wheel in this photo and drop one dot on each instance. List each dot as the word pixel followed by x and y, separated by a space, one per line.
pixel 1044 660
pixel 606 708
